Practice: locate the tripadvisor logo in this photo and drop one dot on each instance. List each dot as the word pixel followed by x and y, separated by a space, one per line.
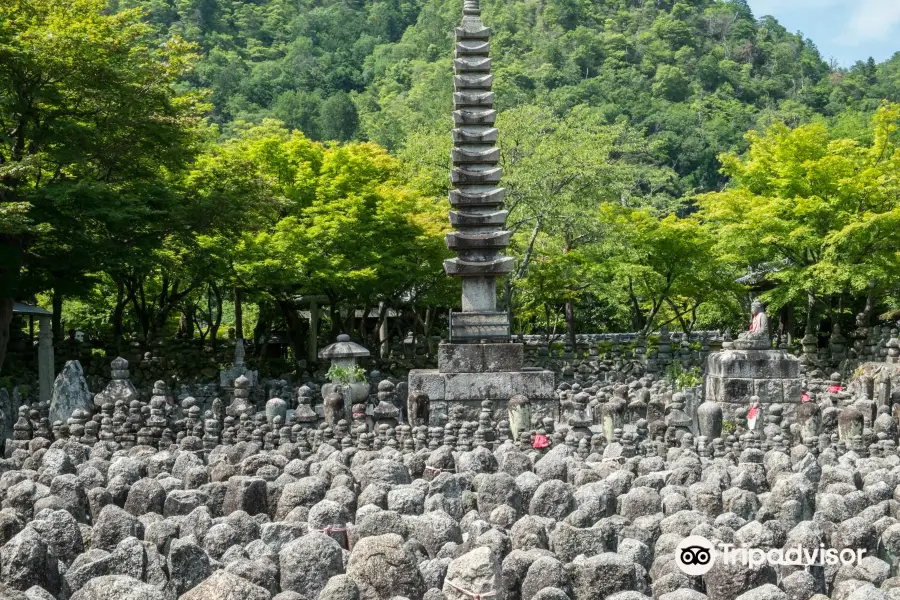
pixel 696 555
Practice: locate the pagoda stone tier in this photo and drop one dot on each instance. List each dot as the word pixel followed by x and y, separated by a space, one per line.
pixel 480 363
pixel 478 216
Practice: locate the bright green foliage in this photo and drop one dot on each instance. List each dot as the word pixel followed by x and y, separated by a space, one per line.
pixel 358 235
pixel 554 279
pixel 825 211
pixel 346 375
pixel 664 270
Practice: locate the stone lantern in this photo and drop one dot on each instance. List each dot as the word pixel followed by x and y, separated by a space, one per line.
pixel 344 354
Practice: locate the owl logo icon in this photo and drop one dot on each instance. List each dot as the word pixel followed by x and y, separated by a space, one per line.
pixel 695 555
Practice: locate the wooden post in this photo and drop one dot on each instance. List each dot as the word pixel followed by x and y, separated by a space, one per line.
pixel 238 313
pixel 312 346
pixel 384 346
pixel 45 358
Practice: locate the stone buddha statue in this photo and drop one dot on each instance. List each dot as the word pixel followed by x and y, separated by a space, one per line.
pixel 758 337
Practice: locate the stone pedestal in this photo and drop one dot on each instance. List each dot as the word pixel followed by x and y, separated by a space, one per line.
pixel 734 376
pixel 467 374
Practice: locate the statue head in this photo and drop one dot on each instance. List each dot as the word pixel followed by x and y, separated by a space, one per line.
pixel 757 307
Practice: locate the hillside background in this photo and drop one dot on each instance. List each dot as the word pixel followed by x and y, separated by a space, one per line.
pixel 692 77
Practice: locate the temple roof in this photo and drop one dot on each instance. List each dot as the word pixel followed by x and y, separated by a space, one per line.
pixel 20 308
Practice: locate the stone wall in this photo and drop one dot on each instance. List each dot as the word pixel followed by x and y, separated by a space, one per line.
pixel 188 364
pixel 185 361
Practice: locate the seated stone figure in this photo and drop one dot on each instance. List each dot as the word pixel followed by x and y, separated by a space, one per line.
pixel 758 337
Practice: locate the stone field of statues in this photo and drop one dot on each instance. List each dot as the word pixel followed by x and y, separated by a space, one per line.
pixel 365 491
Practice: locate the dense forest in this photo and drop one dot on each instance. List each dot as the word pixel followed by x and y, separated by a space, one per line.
pixel 692 77
pixel 164 162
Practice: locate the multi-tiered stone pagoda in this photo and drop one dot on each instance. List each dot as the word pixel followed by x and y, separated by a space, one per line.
pixel 479 362
pixel 477 200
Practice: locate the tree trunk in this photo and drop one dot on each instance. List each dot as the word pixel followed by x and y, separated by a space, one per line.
pixel 238 313
pixel 637 316
pixel 142 311
pixel 523 269
pixel 261 332
pixel 118 332
pixel 295 329
pixel 262 325
pixel 429 321
pixel 362 324
pixel 870 303
pixel 335 319
pixel 57 300
pixel 215 323
pixel 6 315
pixel 186 323
pixel 570 324
pixel 349 320
pixel 383 331
pixel 810 310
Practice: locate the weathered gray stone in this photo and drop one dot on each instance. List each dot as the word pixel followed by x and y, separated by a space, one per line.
pixel 222 585
pixel 476 572
pixel 307 563
pixel 70 393
pixel 119 587
pixel 382 566
pixel 27 560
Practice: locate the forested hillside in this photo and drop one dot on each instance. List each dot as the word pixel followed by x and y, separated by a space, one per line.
pixel 691 76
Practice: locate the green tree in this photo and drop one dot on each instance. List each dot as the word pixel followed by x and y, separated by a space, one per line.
pixel 823 211
pixel 660 268
pixel 337 118
pixel 89 121
pixel 355 231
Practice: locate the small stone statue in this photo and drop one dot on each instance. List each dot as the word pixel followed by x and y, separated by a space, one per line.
pixel 417 408
pixel 758 336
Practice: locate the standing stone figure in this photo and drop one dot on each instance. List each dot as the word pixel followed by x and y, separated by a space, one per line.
pixel 70 393
pixel 519 412
pixel 119 386
pixel 417 408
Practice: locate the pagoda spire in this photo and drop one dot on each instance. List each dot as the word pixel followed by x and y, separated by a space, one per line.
pixel 477 214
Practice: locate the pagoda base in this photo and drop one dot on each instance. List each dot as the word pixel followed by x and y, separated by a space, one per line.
pixel 471 373
pixel 735 376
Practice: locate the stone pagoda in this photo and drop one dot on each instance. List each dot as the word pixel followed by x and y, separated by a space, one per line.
pixel 479 362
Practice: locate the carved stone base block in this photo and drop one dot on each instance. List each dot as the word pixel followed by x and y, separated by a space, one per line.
pixel 734 376
pixel 448 389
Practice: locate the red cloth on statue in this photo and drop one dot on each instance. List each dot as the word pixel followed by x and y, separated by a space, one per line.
pixel 755 324
pixel 835 389
pixel 540 442
pixel 804 397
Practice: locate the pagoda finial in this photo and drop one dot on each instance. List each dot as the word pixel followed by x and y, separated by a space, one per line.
pixel 477 216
